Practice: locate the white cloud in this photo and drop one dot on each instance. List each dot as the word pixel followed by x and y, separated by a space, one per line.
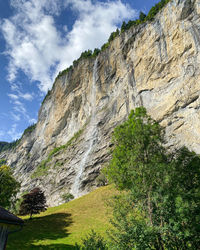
pixel 35 45
pixel 16 117
pixel 13 133
pixel 19 109
pixel 32 121
pixel 26 96
pixel 13 96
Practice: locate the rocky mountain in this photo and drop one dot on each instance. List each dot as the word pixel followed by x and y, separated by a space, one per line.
pixel 155 64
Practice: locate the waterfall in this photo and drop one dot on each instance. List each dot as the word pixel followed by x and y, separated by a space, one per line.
pixel 90 138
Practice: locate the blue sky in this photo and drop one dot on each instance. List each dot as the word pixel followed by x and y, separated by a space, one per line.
pixel 40 38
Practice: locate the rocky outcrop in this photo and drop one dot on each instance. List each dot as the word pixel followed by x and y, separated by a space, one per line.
pixel 155 64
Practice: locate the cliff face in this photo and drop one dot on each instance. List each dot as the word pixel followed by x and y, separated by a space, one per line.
pixel 155 65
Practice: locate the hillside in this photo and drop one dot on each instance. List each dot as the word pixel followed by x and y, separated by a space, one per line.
pixel 61 227
pixel 154 64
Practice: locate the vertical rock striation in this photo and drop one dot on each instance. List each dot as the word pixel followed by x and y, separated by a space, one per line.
pixel 155 64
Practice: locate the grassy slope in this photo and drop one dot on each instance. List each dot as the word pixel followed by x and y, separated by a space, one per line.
pixel 60 227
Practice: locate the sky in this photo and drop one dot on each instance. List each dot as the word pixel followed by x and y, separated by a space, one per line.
pixel 39 38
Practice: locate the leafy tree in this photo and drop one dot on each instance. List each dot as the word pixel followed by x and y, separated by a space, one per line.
pixel 137 150
pixel 8 186
pixel 33 203
pixel 161 209
pixel 113 35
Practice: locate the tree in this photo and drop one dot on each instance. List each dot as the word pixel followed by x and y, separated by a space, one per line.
pixel 138 152
pixel 142 16
pixel 8 186
pixel 161 206
pixel 33 203
pixel 123 27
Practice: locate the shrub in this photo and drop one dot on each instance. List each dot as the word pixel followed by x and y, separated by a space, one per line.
pixel 67 197
pixel 93 241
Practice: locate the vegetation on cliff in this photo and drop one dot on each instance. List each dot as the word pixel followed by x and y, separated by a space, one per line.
pixel 125 26
pixel 10 145
pixel 43 167
pixel 158 206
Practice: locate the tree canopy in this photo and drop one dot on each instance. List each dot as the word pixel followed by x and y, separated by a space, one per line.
pixel 8 186
pixel 33 203
pixel 161 206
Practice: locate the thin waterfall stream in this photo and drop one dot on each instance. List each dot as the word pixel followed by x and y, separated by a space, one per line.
pixel 90 138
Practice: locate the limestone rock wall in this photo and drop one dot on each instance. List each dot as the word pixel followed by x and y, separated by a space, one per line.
pixel 155 64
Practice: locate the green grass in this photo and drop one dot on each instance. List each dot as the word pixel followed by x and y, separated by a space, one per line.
pixel 61 227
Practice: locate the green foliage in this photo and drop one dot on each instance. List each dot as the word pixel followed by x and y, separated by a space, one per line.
pixel 15 206
pixel 3 146
pixel 33 203
pixel 101 180
pixel 142 16
pixel 125 26
pixel 92 241
pixel 105 46
pixel 155 9
pixel 84 55
pixel 96 52
pixel 113 35
pixel 42 168
pixel 10 145
pixel 161 209
pixel 130 230
pixel 8 187
pixel 62 226
pixel 67 197
pixel 47 95
pixel 30 129
pixel 2 162
pixel 137 148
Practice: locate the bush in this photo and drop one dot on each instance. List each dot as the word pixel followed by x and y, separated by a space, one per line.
pixel 92 242
pixel 67 197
